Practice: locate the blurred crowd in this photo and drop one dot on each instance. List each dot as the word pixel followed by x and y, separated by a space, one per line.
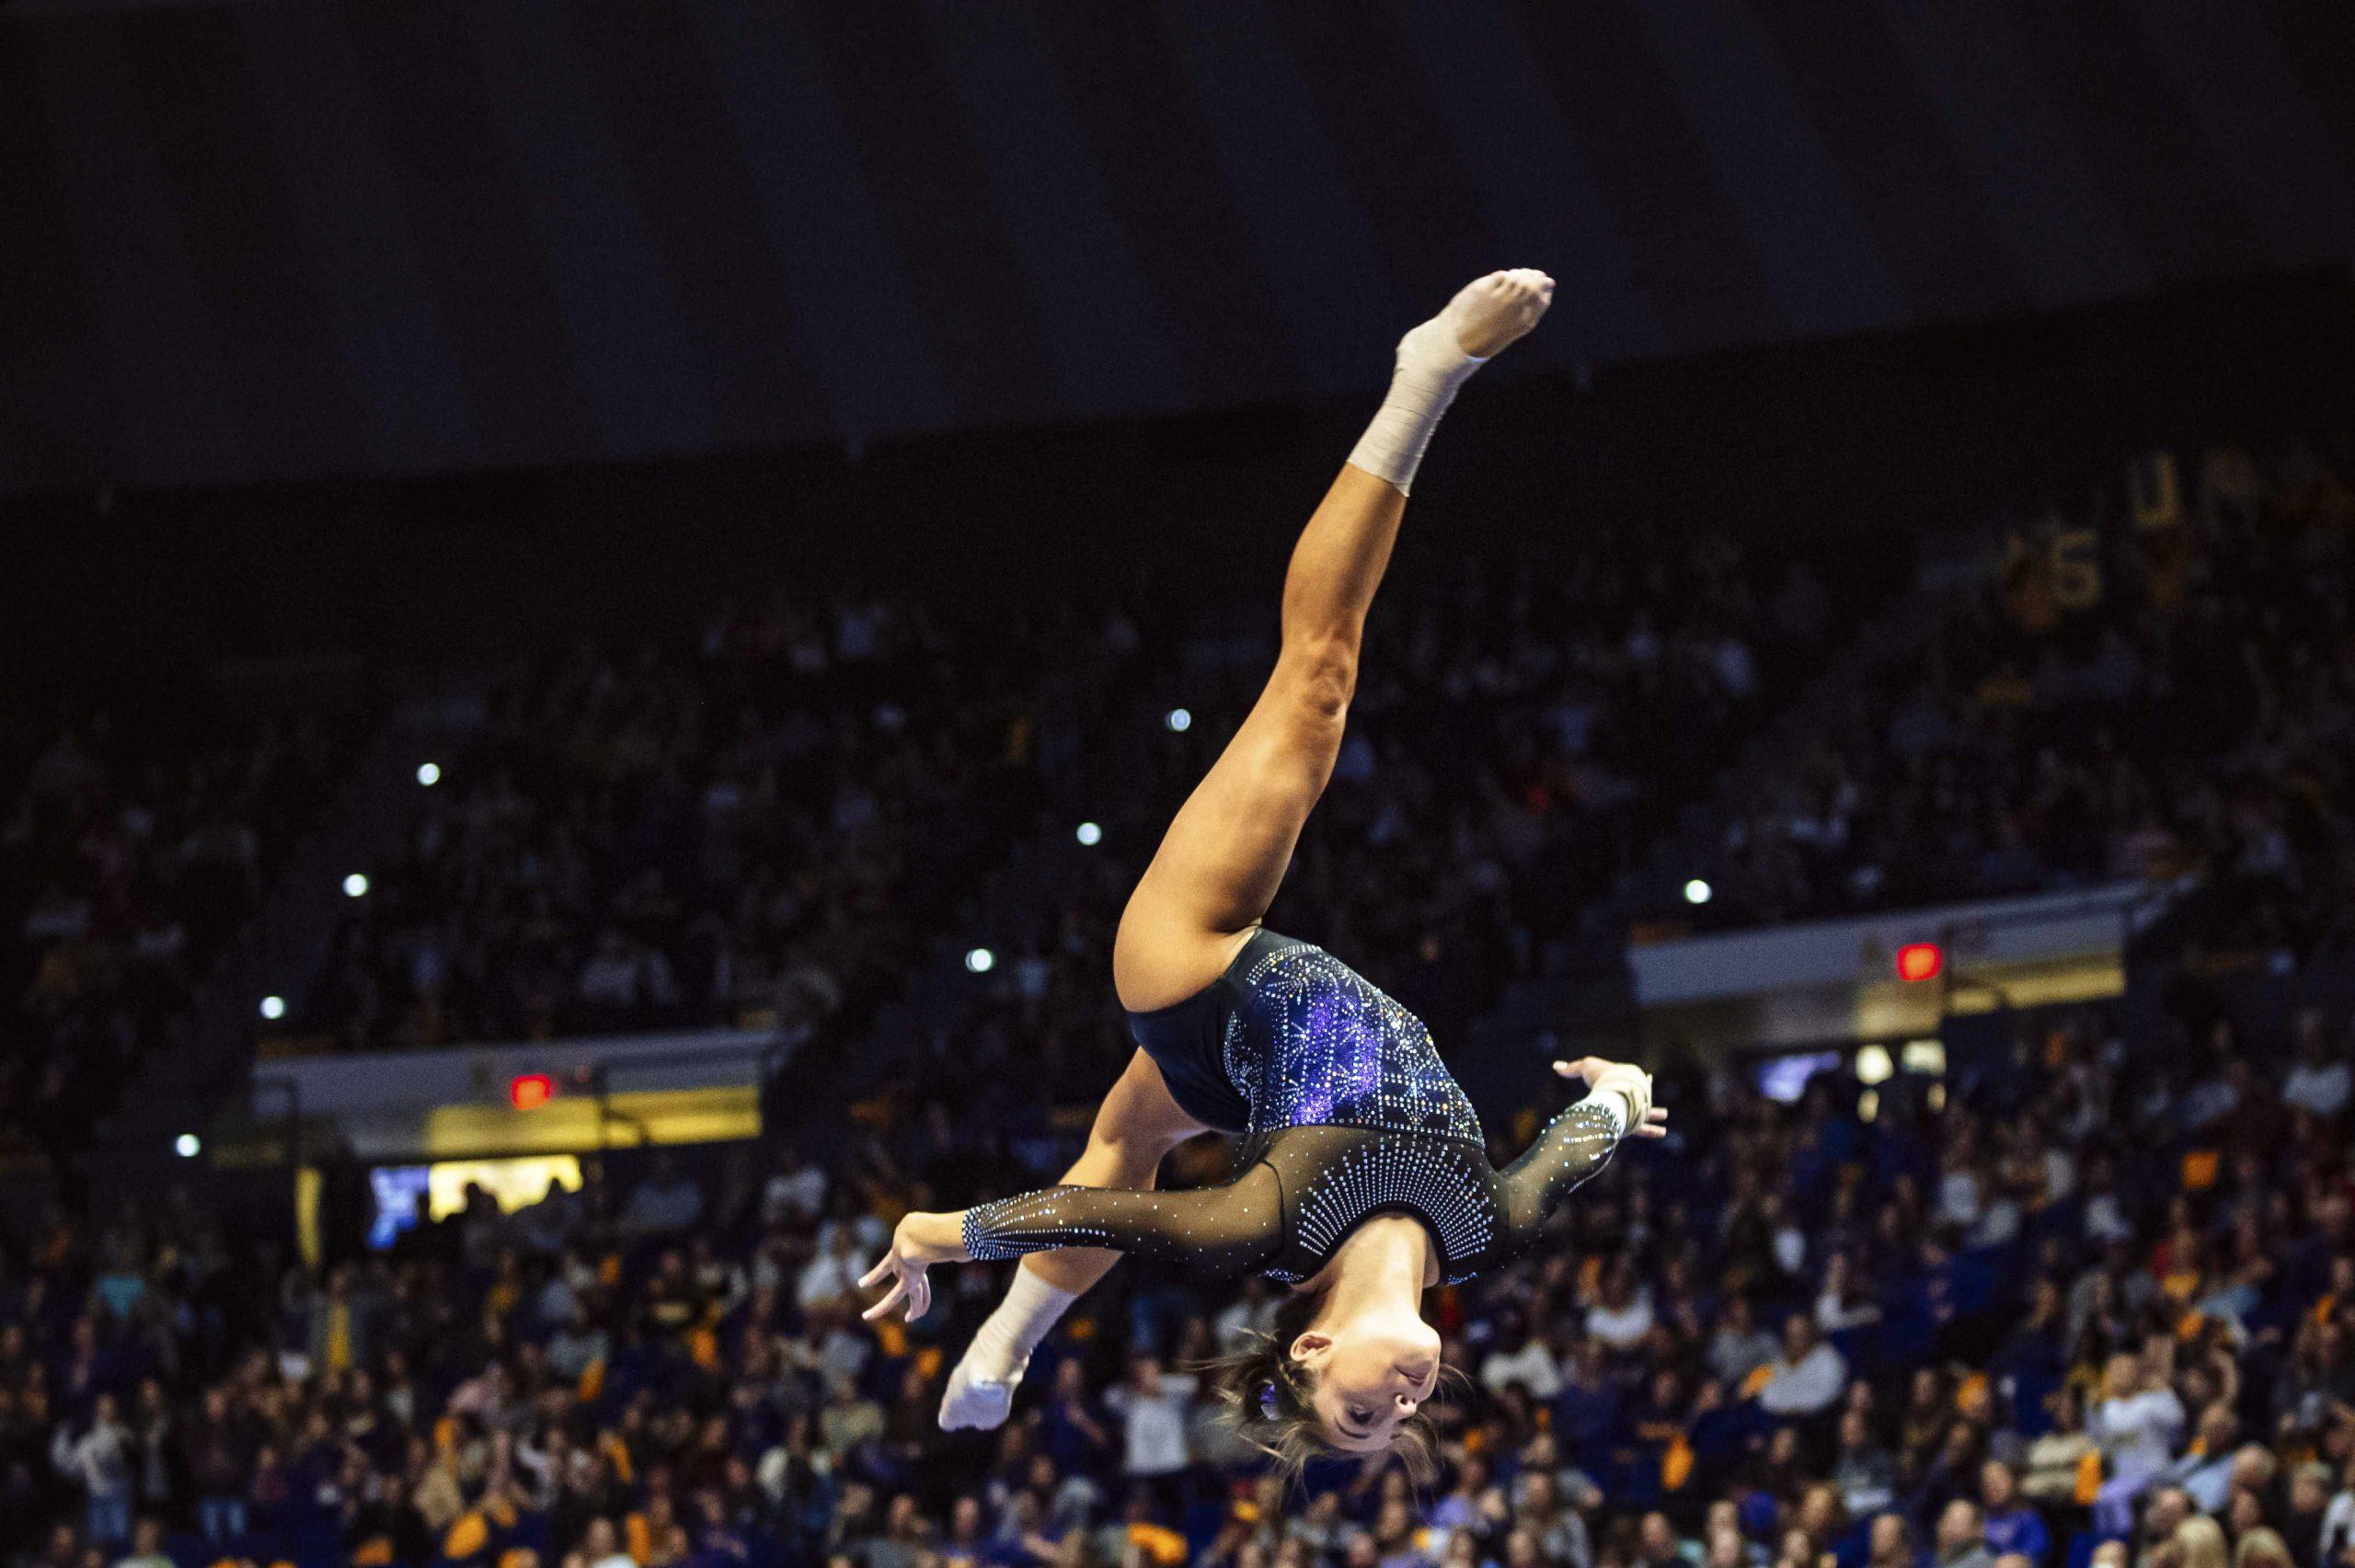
pixel 750 829
pixel 764 825
pixel 2075 1299
pixel 133 844
pixel 2159 679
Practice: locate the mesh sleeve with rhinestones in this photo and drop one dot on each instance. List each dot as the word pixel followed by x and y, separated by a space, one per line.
pixel 1225 1230
pixel 1574 1146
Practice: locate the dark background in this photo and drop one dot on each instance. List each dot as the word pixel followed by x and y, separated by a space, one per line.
pixel 277 239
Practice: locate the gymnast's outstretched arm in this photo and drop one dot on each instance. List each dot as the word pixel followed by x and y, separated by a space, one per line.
pixel 1223 1230
pixel 1577 1144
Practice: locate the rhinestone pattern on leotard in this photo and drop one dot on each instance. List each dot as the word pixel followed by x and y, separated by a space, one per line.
pixel 1316 1045
pixel 1444 1182
pixel 1222 1228
pixel 1028 1222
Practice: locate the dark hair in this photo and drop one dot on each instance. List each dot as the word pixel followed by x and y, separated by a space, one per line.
pixel 1267 1397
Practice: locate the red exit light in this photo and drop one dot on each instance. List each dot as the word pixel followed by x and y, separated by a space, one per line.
pixel 1920 961
pixel 531 1090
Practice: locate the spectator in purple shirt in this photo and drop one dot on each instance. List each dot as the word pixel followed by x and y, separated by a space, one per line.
pixel 2014 1530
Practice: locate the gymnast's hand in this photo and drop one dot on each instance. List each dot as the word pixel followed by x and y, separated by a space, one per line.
pixel 920 1241
pixel 1630 1083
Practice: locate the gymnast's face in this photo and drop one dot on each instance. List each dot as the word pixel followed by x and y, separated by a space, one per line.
pixel 1371 1371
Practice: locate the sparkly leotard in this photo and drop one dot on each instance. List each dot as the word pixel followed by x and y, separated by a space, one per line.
pixel 1348 1111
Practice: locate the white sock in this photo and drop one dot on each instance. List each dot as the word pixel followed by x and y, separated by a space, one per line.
pixel 1431 366
pixel 980 1389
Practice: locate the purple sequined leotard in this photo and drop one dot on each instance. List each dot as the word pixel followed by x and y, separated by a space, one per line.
pixel 1345 1110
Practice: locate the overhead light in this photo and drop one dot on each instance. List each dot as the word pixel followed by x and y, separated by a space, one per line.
pixel 1090 834
pixel 1179 720
pixel 188 1146
pixel 355 886
pixel 980 960
pixel 1697 891
pixel 273 1008
pixel 428 774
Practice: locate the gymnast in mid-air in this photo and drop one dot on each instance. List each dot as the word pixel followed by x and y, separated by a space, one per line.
pixel 1362 1178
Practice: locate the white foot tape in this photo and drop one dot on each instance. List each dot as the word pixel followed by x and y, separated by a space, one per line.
pixel 975 1404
